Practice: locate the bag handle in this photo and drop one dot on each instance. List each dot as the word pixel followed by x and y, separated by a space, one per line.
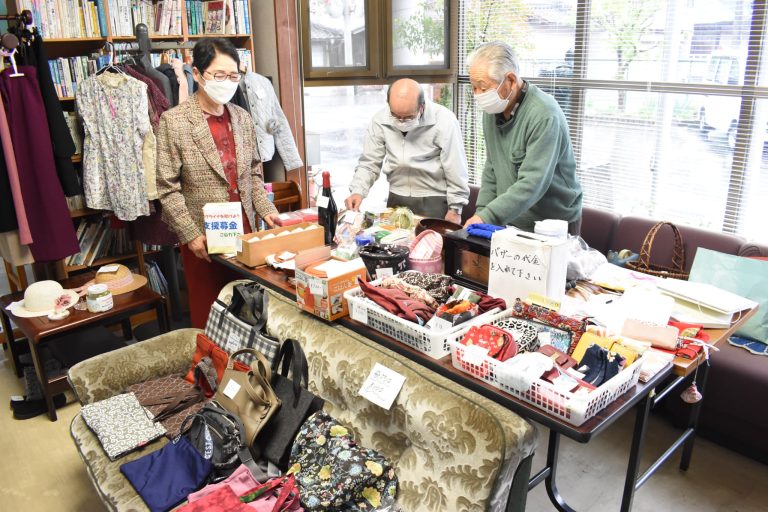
pixel 288 483
pixel 258 305
pixel 293 359
pixel 678 251
pixel 261 373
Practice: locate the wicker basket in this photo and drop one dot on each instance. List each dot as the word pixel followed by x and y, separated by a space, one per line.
pixel 644 265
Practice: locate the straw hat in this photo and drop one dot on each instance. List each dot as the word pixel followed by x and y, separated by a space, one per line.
pixel 118 279
pixel 42 298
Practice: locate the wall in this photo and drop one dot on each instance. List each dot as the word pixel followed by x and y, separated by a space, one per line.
pixel 264 40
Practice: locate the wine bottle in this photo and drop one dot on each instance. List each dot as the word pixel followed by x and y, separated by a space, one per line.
pixel 326 209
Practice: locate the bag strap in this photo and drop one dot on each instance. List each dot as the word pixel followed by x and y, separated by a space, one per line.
pixel 205 372
pixel 293 359
pixel 261 373
pixel 288 483
pixel 258 305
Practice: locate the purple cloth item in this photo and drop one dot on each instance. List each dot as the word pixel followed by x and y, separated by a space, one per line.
pixel 398 303
pixel 47 212
pixel 157 99
pixel 25 235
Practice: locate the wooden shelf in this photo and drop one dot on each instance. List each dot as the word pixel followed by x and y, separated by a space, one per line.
pixel 74 39
pixel 171 37
pixel 66 98
pixel 83 212
pixel 233 36
pixel 106 261
pixel 76 159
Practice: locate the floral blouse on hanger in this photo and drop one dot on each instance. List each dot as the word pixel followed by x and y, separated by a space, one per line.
pixel 115 116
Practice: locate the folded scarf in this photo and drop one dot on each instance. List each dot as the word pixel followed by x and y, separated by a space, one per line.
pixel 483 230
pixel 413 291
pixel 437 285
pixel 398 303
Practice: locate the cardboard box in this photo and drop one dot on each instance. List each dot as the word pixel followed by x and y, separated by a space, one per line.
pixel 289 219
pixel 252 249
pixel 324 297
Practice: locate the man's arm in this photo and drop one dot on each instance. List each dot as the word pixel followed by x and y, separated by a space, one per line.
pixel 454 162
pixel 371 159
pixel 534 176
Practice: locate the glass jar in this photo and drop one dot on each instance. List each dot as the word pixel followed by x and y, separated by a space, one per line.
pixel 99 298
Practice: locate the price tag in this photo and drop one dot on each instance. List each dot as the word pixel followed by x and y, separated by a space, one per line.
pixel 233 342
pixel 239 244
pixel 381 273
pixel 231 389
pixel 349 217
pixel 284 216
pixel 439 324
pixel 322 201
pixel 475 355
pixel 315 286
pixel 358 313
pixel 382 386
pixel 108 268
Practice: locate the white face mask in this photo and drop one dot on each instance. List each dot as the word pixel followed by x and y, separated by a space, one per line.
pixel 490 102
pixel 220 92
pixel 405 126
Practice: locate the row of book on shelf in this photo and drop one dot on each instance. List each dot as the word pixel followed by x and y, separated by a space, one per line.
pixel 99 240
pixel 218 17
pixel 67 18
pixel 161 18
pixel 156 278
pixel 67 72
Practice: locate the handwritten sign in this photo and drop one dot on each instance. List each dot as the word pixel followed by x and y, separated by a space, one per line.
pixel 223 226
pixel 382 386
pixel 526 263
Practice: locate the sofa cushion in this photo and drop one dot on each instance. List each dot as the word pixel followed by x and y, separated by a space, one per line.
pixel 598 228
pixel 631 232
pixel 753 250
pixel 452 449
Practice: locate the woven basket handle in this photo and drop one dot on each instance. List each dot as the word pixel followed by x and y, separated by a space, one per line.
pixel 678 252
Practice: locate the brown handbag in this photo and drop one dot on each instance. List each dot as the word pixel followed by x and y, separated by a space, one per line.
pixel 248 394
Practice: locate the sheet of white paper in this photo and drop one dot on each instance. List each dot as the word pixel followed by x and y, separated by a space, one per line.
pixel 358 313
pixel 322 201
pixel 315 286
pixel 231 389
pixel 475 355
pixel 108 269
pixel 382 386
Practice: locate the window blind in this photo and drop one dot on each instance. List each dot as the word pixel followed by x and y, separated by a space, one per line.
pixel 666 100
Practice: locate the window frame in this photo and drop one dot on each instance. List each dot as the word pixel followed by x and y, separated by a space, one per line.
pixel 379 38
pixel 749 93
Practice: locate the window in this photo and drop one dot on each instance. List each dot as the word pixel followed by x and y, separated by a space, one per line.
pixel 665 99
pixel 375 39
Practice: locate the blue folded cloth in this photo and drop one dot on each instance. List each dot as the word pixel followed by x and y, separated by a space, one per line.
pixel 483 230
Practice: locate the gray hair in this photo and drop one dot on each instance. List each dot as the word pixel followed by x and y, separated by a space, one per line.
pixel 498 57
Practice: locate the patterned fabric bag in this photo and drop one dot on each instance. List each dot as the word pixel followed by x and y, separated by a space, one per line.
pixel 170 399
pixel 231 334
pixel 334 473
pixel 121 424
pixel 575 326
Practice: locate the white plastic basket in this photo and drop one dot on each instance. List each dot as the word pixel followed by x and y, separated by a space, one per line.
pixel 433 343
pixel 573 408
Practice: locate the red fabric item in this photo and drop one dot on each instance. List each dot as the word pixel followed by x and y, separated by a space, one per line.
pixel 221 131
pixel 222 499
pixel 207 348
pixel 204 282
pixel 398 303
pixel 157 99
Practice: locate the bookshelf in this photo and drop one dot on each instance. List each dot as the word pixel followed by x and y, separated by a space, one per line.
pixel 87 44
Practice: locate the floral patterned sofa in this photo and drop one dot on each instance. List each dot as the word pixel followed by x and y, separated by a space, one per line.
pixel 453 450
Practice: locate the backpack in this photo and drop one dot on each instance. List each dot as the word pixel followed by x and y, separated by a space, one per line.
pixel 219 436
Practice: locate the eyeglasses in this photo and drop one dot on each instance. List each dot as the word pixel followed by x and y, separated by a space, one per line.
pixel 220 76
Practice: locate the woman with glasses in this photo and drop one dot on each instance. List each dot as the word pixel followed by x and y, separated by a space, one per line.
pixel 207 153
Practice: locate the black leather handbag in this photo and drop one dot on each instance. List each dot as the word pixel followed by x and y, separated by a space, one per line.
pixel 276 438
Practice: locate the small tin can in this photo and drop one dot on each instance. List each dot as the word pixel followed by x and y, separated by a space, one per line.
pixel 99 298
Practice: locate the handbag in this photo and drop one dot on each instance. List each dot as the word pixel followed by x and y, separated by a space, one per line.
pixel 334 473
pixel 165 477
pixel 643 263
pixel 222 499
pixel 218 360
pixel 170 399
pixel 496 341
pixel 297 404
pixel 249 394
pixel 231 333
pixel 575 326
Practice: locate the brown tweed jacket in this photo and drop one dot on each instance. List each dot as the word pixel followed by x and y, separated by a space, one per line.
pixel 190 173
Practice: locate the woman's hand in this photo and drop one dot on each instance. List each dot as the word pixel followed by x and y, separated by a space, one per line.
pixel 271 219
pixel 199 248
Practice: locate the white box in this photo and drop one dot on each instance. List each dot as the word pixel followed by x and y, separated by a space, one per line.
pixel 522 263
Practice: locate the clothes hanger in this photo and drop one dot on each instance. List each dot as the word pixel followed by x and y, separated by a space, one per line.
pixel 111 62
pixel 10 45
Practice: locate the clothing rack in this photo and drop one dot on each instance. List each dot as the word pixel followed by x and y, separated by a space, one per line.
pixel 25 17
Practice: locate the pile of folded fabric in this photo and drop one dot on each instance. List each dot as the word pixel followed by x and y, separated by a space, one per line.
pixel 419 297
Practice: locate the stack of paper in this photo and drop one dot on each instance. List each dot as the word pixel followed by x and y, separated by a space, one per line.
pixel 704 304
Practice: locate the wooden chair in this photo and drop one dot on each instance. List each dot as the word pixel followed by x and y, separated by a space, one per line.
pixel 287 197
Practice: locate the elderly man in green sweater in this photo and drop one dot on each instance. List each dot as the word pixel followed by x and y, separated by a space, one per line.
pixel 530 171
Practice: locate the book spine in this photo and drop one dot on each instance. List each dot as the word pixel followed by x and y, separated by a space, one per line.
pixel 247 8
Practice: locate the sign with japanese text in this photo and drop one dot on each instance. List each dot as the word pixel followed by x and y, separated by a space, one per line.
pixel 223 226
pixel 523 263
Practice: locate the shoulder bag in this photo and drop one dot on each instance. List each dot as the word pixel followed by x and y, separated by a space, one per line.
pixel 297 404
pixel 249 394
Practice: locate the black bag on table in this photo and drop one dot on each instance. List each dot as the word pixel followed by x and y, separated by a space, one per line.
pixel 276 438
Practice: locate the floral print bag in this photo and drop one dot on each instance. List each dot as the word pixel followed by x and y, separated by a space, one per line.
pixel 334 473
